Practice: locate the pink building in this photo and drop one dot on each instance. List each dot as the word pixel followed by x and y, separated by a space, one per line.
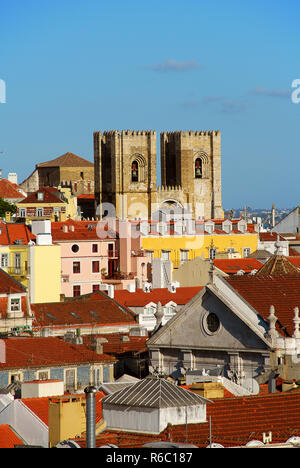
pixel 93 255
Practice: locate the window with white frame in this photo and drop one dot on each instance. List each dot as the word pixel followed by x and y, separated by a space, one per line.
pixel 40 212
pixel 165 254
pixel 22 213
pixel 4 260
pixel 15 304
pixel 97 376
pixel 184 256
pixel 230 250
pixel 15 377
pixel 149 310
pixel 43 375
pixel 246 251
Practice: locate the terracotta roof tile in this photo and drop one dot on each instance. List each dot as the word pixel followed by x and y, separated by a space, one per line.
pixel 8 438
pixel 10 233
pixel 233 265
pixel 97 309
pixel 9 190
pixel 51 195
pixel 283 292
pixel 67 160
pixel 278 265
pixel 140 298
pixel 36 351
pixel 235 422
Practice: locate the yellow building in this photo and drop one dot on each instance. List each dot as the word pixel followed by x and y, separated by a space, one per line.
pixel 48 203
pixel 32 260
pixel 211 239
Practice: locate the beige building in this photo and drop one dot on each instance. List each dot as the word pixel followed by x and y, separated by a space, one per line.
pixel 125 173
pixel 68 170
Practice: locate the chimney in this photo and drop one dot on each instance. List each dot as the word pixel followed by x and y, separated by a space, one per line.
pixel 90 393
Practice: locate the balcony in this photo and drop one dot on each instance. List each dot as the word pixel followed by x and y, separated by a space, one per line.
pixel 17 271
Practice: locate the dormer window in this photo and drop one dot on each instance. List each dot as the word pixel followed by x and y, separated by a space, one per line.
pixel 40 196
pixel 198 168
pixel 15 304
pixel 134 171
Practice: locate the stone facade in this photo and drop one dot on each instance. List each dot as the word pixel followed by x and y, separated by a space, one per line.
pixel 68 170
pixel 125 173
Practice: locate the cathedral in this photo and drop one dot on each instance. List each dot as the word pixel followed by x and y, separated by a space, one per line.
pixel 125 176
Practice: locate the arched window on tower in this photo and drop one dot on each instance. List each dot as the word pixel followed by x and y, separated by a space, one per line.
pixel 134 171
pixel 198 168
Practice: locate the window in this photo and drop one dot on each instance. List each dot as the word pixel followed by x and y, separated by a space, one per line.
pixel 40 195
pixel 198 168
pixel 15 304
pixel 22 212
pixel 82 175
pixel 97 376
pixel 184 256
pixel 76 291
pixel 135 172
pixel 246 252
pixel 75 248
pixel 70 379
pixel 213 322
pixel 95 267
pixel 96 287
pixel 76 267
pixel 230 250
pixel 16 377
pixel 165 254
pixel 43 375
pixel 40 212
pixel 4 260
pixel 95 248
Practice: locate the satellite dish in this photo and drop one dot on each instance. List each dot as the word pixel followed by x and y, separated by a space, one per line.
pixel 255 443
pixel 109 446
pixel 215 445
pixel 251 385
pixel 293 440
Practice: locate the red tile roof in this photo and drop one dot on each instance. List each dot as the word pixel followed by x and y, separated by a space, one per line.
pixel 51 195
pixel 9 190
pixel 40 406
pixel 278 265
pixel 232 265
pixel 139 298
pixel 8 438
pixel 115 343
pixel 234 422
pixel 78 230
pixel 12 233
pixel 270 237
pixel 283 292
pixel 35 352
pixel 97 308
pixel 67 160
pixel 9 285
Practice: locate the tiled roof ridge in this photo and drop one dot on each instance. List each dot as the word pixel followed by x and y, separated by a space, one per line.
pixel 63 160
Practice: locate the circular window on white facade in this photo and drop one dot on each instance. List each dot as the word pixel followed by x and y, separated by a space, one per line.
pixel 211 323
pixel 75 248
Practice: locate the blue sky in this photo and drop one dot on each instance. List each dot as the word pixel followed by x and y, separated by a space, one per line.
pixel 73 67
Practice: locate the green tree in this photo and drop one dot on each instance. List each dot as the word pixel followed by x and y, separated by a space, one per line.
pixel 6 206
